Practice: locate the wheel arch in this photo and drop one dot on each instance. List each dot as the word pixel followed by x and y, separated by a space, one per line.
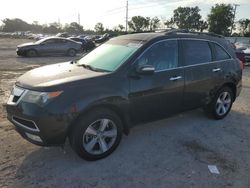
pixel 31 49
pixel 232 86
pixel 117 110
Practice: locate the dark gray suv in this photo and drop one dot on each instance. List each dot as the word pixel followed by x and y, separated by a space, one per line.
pixel 129 79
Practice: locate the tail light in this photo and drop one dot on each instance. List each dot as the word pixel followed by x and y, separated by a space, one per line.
pixel 241 65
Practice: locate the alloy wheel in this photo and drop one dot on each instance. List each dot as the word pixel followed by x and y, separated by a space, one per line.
pixel 99 136
pixel 223 103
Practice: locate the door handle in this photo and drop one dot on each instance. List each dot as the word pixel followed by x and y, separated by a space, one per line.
pixel 175 78
pixel 216 70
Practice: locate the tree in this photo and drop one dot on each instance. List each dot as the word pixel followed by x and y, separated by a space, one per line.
pixel 244 27
pixel 220 19
pixel 99 28
pixel 74 28
pixel 53 28
pixel 202 25
pixel 169 23
pixel 186 18
pixel 138 23
pixel 35 27
pixel 11 25
pixel 121 27
pixel 154 23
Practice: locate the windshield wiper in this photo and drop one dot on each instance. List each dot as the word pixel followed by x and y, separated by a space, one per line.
pixel 89 67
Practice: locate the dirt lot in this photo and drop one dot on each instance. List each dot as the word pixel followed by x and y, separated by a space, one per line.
pixel 173 152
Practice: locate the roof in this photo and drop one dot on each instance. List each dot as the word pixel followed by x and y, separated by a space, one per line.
pixel 140 36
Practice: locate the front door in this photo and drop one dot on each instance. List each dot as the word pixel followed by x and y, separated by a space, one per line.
pixel 159 94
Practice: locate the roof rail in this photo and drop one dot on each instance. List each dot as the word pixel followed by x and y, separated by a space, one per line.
pixel 174 31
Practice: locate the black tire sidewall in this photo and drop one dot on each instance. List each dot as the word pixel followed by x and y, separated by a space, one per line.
pixel 28 53
pixel 213 106
pixel 82 124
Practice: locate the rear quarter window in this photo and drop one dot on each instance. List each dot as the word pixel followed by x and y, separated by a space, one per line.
pixel 220 53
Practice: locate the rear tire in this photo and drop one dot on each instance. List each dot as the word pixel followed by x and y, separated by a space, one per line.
pixel 31 53
pixel 71 52
pixel 97 134
pixel 221 104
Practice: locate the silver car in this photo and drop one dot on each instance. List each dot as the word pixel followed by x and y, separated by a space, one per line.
pixel 49 46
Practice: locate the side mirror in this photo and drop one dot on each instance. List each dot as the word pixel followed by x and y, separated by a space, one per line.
pixel 145 69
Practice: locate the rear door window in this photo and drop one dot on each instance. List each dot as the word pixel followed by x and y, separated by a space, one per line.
pixel 49 41
pixel 220 53
pixel 196 52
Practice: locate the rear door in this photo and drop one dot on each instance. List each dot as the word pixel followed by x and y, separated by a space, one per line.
pixel 61 46
pixel 47 47
pixel 159 94
pixel 201 72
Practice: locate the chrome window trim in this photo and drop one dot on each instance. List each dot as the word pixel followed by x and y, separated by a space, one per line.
pixel 23 126
pixel 185 66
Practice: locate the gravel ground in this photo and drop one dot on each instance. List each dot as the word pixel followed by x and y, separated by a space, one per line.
pixel 173 152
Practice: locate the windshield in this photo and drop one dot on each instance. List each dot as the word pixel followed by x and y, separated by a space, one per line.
pixel 109 56
pixel 41 40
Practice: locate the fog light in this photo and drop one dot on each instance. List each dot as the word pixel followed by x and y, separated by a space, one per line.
pixel 34 137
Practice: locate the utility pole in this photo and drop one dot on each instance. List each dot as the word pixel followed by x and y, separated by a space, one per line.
pixel 127 16
pixel 235 7
pixel 79 19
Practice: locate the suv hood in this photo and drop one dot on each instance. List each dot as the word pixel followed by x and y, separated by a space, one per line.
pixel 55 75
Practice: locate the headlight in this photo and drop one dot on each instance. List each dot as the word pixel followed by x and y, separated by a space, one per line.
pixel 40 98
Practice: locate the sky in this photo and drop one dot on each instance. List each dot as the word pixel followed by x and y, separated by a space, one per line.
pixel 109 12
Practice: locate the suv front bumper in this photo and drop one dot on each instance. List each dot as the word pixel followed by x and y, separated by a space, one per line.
pixel 36 124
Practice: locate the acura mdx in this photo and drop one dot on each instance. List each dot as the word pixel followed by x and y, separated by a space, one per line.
pixel 129 79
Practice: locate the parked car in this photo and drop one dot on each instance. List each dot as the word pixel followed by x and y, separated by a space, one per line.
pixel 247 56
pixel 127 80
pixel 239 54
pixel 87 45
pixel 49 46
pixel 103 38
pixel 65 35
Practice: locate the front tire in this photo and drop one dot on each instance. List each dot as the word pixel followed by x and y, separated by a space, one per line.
pixel 31 53
pixel 71 52
pixel 221 103
pixel 97 134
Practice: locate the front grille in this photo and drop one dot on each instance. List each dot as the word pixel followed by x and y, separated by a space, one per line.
pixel 28 124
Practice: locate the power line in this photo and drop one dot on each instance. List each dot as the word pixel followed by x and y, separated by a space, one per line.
pixel 115 9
